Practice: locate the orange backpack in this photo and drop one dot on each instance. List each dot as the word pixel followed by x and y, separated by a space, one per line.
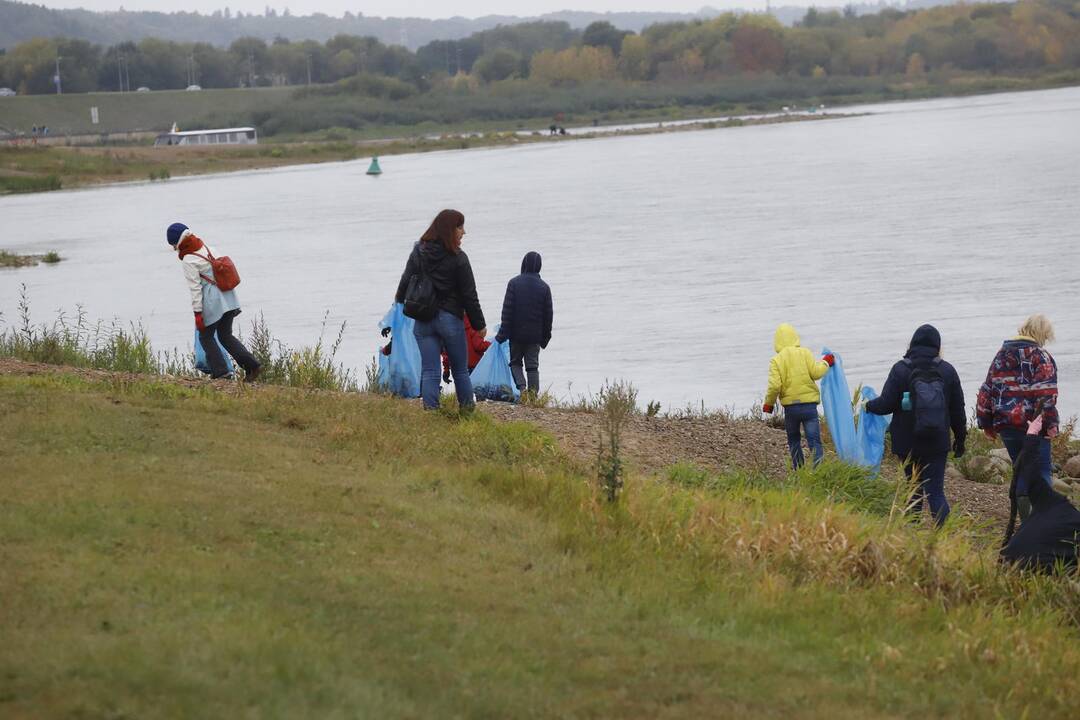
pixel 225 275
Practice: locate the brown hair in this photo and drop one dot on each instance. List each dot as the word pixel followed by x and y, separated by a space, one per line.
pixel 442 229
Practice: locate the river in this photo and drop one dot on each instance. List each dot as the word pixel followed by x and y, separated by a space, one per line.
pixel 671 257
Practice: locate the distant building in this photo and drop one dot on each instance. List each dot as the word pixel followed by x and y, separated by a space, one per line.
pixel 224 136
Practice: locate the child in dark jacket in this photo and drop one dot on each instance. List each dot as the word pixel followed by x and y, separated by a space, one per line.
pixel 526 322
pixel 476 345
pixel 1048 536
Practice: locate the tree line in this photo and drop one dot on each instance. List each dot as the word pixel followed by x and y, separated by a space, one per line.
pixel 1025 37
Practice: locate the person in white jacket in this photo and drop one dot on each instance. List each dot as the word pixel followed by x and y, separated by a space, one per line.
pixel 214 308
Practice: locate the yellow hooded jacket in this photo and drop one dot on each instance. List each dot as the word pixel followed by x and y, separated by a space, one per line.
pixel 793 371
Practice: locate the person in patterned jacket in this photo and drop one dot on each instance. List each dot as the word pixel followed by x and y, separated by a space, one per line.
pixel 1020 385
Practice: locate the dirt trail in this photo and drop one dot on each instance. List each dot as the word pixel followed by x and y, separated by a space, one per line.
pixel 651 444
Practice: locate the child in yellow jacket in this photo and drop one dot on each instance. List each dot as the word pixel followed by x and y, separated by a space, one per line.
pixel 793 376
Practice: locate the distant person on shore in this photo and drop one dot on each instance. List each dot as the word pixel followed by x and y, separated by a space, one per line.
pixel 439 256
pixel 924 396
pixel 1021 385
pixel 477 345
pixel 793 376
pixel 214 308
pixel 526 322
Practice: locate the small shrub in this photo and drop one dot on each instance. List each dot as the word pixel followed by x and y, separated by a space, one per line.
pixel 51 258
pixel 312 367
pixel 652 409
pixel 617 402
pixel 371 379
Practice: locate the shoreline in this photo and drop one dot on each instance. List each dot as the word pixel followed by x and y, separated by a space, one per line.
pixel 26 169
pixel 107 166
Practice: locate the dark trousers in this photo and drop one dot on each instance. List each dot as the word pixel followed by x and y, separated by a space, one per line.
pixel 799 418
pixel 1014 443
pixel 223 329
pixel 931 470
pixel 529 354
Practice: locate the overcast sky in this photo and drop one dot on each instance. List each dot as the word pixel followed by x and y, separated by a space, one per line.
pixel 414 8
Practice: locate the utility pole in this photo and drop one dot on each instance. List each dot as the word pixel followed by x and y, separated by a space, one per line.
pixel 120 70
pixel 56 78
pixel 251 68
pixel 308 68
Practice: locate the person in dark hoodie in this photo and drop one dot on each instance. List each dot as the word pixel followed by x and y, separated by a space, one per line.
pixel 526 322
pixel 1048 537
pixel 438 253
pixel 924 395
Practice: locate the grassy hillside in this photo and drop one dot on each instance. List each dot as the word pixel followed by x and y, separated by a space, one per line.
pixel 175 551
pixel 126 112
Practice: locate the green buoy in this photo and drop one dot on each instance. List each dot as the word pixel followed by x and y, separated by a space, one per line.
pixel 374 168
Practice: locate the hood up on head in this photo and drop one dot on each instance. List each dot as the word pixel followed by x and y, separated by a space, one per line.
pixel 785 337
pixel 531 262
pixel 927 336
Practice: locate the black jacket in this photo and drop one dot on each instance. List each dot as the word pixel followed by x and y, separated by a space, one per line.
pixel 1049 534
pixel 902 427
pixel 527 311
pixel 452 277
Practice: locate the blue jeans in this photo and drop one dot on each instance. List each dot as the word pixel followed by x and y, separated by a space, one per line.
pixel 803 417
pixel 443 331
pixel 931 469
pixel 1014 443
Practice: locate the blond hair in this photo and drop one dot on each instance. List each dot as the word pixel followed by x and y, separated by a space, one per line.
pixel 1038 328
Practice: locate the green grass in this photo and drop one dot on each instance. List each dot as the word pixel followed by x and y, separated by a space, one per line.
pixel 129 112
pixel 174 552
pixel 75 341
pixel 14 260
pixel 13 184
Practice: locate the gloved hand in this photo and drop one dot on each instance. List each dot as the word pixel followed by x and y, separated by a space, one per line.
pixel 829 359
pixel 958 447
pixel 767 409
pixel 446 377
pixel 198 321
pixel 386 331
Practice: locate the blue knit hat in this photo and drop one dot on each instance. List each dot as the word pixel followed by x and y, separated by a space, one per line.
pixel 175 232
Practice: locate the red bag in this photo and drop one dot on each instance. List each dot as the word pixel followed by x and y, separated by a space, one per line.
pixel 225 275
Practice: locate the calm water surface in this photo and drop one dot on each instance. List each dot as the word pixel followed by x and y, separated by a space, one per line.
pixel 672 258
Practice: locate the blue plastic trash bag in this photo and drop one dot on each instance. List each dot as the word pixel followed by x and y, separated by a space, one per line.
pixel 399 372
pixel 200 356
pixel 491 378
pixel 836 399
pixel 870 435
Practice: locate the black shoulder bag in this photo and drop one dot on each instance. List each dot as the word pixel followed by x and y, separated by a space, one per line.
pixel 421 301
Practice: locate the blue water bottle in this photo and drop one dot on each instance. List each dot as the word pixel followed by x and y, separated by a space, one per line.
pixel 905 402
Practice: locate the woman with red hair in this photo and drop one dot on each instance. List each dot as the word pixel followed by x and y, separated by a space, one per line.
pixel 438 255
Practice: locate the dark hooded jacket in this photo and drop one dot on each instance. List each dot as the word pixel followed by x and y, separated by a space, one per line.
pixel 452 277
pixel 527 311
pixel 1049 535
pixel 924 349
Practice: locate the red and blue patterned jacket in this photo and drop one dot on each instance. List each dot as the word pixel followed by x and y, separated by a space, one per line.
pixel 1021 381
